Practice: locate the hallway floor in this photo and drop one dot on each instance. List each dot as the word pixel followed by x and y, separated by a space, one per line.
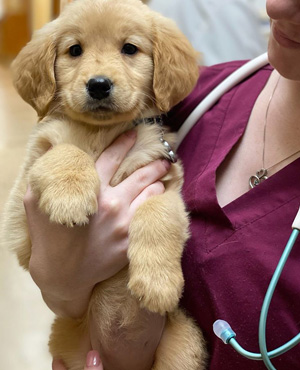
pixel 25 319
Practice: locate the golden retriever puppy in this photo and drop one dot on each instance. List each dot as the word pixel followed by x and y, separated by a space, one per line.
pixel 101 68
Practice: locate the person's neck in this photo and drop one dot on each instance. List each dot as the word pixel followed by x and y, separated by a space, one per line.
pixel 286 106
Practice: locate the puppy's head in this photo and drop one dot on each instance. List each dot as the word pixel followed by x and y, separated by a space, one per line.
pixel 106 61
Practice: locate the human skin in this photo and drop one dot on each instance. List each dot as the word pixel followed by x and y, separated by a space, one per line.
pixel 94 252
pixel 284 55
pixel 66 263
pixel 93 362
pixel 282 128
pixel 284 41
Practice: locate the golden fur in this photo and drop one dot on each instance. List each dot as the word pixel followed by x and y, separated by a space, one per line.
pixel 150 82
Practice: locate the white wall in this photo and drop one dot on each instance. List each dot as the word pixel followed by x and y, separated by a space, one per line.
pixel 221 30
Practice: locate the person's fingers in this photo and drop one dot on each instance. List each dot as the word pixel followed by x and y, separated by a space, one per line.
pixel 138 181
pixel 36 217
pixel 154 189
pixel 33 212
pixel 110 160
pixel 32 209
pixel 30 202
pixel 93 361
pixel 58 365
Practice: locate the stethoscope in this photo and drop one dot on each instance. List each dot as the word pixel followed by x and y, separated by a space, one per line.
pixel 221 328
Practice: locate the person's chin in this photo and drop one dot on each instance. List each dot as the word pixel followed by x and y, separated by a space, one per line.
pixel 285 60
pixel 283 40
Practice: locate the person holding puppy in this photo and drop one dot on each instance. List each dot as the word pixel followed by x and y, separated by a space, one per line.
pixel 67 279
pixel 239 219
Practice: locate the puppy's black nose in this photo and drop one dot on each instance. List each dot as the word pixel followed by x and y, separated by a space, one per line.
pixel 99 87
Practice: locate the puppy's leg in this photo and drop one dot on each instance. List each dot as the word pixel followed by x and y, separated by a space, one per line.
pixel 69 341
pixel 157 234
pixel 14 233
pixel 66 183
pixel 182 345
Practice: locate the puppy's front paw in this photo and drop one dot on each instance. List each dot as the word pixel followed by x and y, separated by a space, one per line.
pixel 158 292
pixel 67 207
pixel 66 182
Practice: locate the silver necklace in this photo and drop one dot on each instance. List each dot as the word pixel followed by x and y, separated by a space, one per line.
pixel 262 174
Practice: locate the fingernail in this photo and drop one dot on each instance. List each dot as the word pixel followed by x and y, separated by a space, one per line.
pixel 166 163
pixel 131 133
pixel 92 359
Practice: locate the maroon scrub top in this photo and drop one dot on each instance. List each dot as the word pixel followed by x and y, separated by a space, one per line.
pixel 233 251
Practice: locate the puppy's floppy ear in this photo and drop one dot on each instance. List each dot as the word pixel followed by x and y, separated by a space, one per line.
pixel 33 69
pixel 175 64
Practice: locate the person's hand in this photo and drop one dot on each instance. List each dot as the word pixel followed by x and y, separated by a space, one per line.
pixel 93 362
pixel 66 263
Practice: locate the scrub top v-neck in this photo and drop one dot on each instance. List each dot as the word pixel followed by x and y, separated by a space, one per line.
pixel 233 251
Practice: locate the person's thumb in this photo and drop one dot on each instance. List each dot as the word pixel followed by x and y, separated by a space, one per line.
pixel 93 361
pixel 58 365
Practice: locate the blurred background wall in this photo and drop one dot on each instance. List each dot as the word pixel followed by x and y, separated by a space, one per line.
pixel 222 30
pixel 24 319
pixel 18 18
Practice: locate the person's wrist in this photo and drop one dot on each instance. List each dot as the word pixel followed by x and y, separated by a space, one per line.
pixel 70 306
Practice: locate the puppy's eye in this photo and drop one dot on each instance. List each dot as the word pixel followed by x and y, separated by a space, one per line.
pixel 75 50
pixel 129 49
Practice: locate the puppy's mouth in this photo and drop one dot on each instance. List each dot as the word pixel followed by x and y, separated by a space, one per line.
pixel 102 101
pixel 93 107
pixel 103 108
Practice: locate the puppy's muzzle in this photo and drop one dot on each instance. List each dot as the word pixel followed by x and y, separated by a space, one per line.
pixel 99 87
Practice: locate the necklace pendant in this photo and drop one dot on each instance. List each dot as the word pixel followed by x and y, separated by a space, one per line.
pixel 260 176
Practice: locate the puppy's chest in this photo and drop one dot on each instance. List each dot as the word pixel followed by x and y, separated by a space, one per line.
pixel 94 141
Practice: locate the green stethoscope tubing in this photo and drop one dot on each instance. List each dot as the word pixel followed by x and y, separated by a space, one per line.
pixel 264 355
pixel 267 301
pixel 223 330
pixel 272 354
pixel 228 336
